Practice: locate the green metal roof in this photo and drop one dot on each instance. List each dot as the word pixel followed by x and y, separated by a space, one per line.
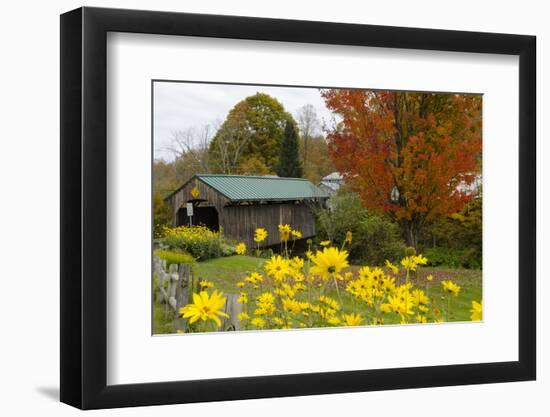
pixel 245 188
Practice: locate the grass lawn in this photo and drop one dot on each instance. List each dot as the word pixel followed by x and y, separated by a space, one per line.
pixel 226 272
pixel 162 322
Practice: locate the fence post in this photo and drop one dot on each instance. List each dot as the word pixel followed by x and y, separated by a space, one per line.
pixel 182 294
pixel 232 309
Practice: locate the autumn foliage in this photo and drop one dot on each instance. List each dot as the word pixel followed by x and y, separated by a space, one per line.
pixel 426 146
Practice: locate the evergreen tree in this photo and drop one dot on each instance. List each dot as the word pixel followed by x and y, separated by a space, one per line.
pixel 289 160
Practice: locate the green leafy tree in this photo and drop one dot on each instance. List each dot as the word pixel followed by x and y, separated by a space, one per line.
pixel 162 214
pixel 253 166
pixel 254 128
pixel 289 159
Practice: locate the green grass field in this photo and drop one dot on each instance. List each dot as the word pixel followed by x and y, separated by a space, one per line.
pixel 226 272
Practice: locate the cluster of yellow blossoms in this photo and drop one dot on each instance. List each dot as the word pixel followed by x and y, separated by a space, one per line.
pixel 196 233
pixel 260 234
pixel 285 232
pixel 321 290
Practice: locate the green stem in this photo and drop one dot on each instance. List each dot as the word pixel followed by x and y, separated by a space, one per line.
pixel 337 290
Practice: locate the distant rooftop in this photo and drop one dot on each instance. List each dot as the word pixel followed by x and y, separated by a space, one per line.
pixel 246 188
pixel 332 182
pixel 335 176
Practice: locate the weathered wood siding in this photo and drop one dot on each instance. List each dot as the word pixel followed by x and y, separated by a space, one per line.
pixel 241 221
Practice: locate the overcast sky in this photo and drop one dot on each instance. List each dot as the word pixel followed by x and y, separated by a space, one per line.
pixel 179 106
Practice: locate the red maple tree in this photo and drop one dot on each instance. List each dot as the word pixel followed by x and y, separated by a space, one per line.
pixel 407 154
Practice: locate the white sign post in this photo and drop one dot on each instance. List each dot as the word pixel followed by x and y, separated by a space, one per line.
pixel 190 213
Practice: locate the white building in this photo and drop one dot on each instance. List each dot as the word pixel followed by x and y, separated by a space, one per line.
pixel 331 183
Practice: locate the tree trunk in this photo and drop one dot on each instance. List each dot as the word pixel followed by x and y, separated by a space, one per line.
pixel 411 233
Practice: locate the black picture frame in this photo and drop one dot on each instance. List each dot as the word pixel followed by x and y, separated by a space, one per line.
pixel 84 207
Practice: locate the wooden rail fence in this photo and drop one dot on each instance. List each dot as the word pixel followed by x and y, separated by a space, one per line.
pixel 175 286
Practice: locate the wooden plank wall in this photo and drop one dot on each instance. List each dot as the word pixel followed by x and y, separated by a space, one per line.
pixel 240 221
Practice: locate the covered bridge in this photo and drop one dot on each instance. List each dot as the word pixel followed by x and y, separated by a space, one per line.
pixel 240 204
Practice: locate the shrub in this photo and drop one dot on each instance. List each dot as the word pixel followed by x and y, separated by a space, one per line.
pixel 459 237
pixel 453 258
pixel 375 238
pixel 343 214
pixel 174 258
pixel 198 241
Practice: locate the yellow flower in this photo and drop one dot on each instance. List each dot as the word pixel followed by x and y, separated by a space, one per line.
pixel 205 307
pixel 325 243
pixel 277 267
pixel 353 319
pixel 285 290
pixel 388 284
pixel 265 304
pixel 419 298
pixel 333 304
pixel 430 278
pixel 297 234
pixel 240 249
pixel 258 322
pixel 243 298
pixel 264 309
pixel 206 284
pixel 420 260
pixel 266 298
pixel 243 316
pixel 297 263
pixel 421 319
pixel 408 263
pixel 284 231
pixel 240 284
pixel 278 321
pixel 254 278
pixel 401 301
pixel 260 234
pixel 477 311
pixel 297 275
pixel 386 308
pixel 349 237
pixel 292 306
pixel 393 268
pixel 450 287
pixel 423 309
pixel 329 262
pixel 333 320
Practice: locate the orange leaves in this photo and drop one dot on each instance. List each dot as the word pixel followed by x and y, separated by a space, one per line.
pixel 423 143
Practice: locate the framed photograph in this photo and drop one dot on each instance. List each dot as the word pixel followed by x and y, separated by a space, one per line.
pixel 256 208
